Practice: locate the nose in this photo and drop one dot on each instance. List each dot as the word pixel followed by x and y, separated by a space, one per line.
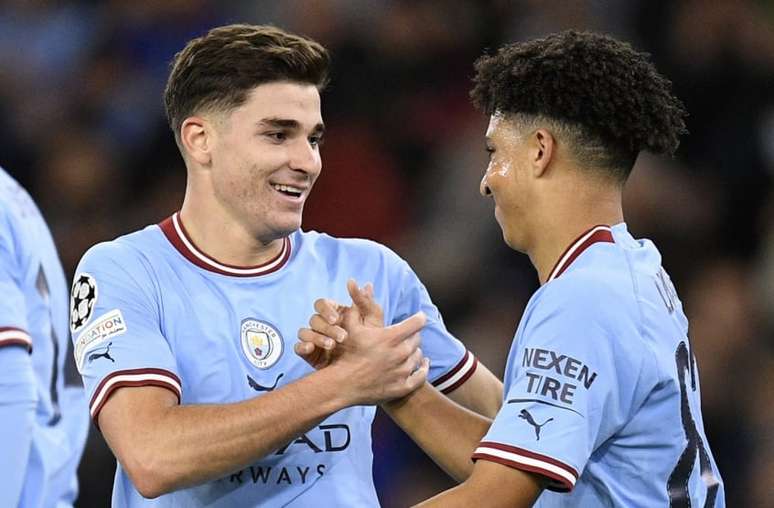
pixel 305 157
pixel 483 187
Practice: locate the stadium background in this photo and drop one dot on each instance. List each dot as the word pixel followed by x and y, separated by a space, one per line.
pixel 82 126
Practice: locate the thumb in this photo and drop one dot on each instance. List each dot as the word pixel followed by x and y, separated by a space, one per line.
pixel 351 318
pixel 370 311
pixel 410 325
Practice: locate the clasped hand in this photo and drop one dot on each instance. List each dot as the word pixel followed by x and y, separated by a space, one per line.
pixel 378 363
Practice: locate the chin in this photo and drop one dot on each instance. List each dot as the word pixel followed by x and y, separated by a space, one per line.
pixel 512 242
pixel 287 227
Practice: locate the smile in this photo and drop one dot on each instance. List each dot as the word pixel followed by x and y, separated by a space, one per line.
pixel 288 190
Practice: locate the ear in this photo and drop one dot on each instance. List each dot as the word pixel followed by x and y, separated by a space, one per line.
pixel 197 138
pixel 542 149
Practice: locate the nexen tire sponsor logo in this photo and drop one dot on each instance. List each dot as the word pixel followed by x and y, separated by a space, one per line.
pixel 105 327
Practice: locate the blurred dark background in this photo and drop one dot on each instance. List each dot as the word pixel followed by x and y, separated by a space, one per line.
pixel 82 127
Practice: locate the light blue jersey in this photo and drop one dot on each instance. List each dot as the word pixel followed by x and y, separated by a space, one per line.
pixel 43 423
pixel 155 310
pixel 601 388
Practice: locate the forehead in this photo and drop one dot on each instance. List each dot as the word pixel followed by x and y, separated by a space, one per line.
pixel 285 100
pixel 502 128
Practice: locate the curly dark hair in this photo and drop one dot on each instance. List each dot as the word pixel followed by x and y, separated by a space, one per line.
pixel 218 70
pixel 610 92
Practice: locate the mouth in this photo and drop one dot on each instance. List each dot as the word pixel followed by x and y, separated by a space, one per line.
pixel 289 191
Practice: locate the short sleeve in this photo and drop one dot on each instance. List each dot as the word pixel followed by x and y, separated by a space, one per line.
pixel 115 325
pixel 14 329
pixel 451 364
pixel 566 386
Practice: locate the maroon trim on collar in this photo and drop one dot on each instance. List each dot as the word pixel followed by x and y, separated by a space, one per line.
pixel 174 230
pixel 600 233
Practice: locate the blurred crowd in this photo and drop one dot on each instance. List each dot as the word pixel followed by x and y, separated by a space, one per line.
pixel 82 126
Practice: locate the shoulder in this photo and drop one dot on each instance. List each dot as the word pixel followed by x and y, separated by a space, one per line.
pixel 590 306
pixel 362 249
pixel 596 291
pixel 126 252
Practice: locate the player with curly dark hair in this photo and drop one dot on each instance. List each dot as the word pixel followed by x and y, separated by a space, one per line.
pixel 601 403
pixel 599 95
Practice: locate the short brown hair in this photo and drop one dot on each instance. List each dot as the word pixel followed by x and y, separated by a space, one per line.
pixel 218 70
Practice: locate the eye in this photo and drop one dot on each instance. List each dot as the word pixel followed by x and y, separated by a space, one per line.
pixel 316 140
pixel 277 137
pixel 490 151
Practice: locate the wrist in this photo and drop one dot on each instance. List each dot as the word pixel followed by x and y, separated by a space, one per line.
pixel 414 398
pixel 337 384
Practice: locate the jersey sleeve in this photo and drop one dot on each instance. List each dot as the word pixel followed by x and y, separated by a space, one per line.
pixel 115 325
pixel 451 364
pixel 567 386
pixel 13 311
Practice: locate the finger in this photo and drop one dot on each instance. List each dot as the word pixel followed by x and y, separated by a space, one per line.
pixel 363 298
pixel 312 337
pixel 412 343
pixel 352 314
pixel 353 289
pixel 319 325
pixel 413 362
pixel 409 325
pixel 419 376
pixel 328 309
pixel 303 348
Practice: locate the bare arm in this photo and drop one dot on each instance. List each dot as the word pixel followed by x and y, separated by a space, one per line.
pixel 164 446
pixel 431 419
pixel 446 431
pixel 482 393
pixel 491 485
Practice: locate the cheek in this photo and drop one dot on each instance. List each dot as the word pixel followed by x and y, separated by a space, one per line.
pixel 495 182
pixel 502 169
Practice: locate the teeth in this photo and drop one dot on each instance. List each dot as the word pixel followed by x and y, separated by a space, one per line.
pixel 287 188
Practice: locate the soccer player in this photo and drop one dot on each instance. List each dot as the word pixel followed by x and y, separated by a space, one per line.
pixel 185 342
pixel 602 402
pixel 43 424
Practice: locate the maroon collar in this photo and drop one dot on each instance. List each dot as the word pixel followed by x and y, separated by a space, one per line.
pixel 173 229
pixel 596 234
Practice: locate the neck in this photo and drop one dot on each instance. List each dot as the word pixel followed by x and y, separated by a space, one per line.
pixel 559 227
pixel 222 236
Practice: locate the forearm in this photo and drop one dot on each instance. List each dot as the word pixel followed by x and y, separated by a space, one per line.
pixel 446 431
pixel 456 497
pixel 190 444
pixel 482 393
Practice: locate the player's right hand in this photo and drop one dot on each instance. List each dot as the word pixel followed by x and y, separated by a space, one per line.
pixel 380 363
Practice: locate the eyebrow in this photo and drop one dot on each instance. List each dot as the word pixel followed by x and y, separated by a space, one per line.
pixel 287 123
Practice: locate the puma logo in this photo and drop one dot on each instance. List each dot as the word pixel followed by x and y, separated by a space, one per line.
pixel 524 415
pixel 106 354
pixel 260 388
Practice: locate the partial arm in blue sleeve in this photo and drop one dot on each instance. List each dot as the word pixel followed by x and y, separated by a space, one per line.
pixel 17 420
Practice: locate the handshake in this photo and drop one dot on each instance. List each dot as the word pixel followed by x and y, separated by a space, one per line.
pixel 376 363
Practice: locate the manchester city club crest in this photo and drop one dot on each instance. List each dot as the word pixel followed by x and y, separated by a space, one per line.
pixel 261 342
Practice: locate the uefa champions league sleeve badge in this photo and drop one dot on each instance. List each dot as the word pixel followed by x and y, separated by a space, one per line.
pixel 83 297
pixel 261 342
